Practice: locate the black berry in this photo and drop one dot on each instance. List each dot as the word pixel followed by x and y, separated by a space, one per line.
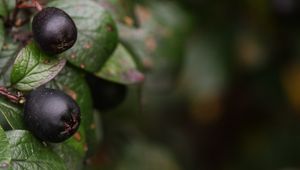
pixel 51 115
pixel 106 94
pixel 54 30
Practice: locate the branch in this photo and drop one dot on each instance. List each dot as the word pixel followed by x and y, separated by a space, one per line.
pixel 15 98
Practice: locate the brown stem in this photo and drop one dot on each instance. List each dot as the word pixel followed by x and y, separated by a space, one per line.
pixel 37 5
pixel 15 98
pixel 26 6
pixel 34 4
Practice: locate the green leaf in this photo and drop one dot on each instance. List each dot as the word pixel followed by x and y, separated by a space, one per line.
pixel 4 123
pixel 72 159
pixel 97 34
pixel 33 68
pixel 122 11
pixel 2 8
pixel 95 134
pixel 12 114
pixel 2 31
pixel 6 6
pixel 137 40
pixel 72 82
pixel 10 5
pixel 7 57
pixel 28 153
pixel 5 155
pixel 172 16
pixel 161 37
pixel 139 154
pixel 121 68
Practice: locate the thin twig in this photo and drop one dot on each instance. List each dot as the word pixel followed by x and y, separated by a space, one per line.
pixel 15 98
pixel 37 5
pixel 33 4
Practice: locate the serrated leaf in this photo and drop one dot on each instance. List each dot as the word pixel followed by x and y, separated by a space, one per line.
pixel 12 114
pixel 5 155
pixel 97 34
pixel 29 153
pixel 121 68
pixel 33 68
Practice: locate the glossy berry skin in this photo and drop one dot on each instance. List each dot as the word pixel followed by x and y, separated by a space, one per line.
pixel 51 115
pixel 54 30
pixel 106 94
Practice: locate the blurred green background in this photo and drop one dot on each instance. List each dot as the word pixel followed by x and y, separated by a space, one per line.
pixel 222 88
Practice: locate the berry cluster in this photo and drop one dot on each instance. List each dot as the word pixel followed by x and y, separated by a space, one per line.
pixel 50 114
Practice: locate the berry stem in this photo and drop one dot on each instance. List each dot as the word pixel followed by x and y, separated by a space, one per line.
pixel 34 4
pixel 15 98
pixel 37 5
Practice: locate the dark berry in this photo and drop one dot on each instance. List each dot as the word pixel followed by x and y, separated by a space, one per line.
pixel 54 30
pixel 51 115
pixel 106 94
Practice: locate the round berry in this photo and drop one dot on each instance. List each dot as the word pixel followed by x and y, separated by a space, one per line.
pixel 106 94
pixel 54 30
pixel 51 115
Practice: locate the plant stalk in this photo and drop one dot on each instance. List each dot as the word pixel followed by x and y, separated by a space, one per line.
pixel 15 98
